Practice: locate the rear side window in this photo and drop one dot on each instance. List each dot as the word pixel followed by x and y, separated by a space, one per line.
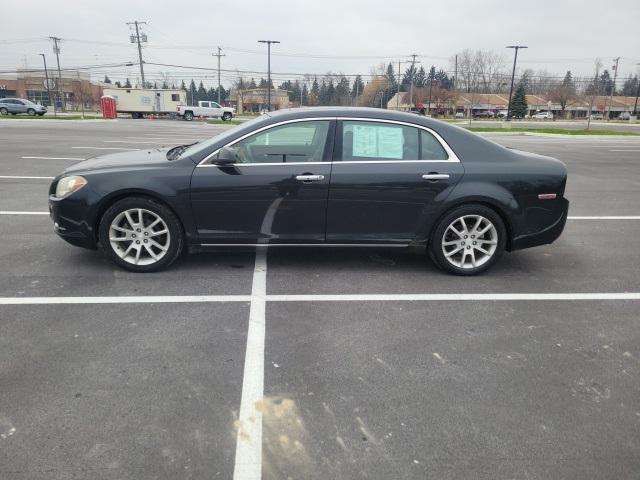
pixel 365 141
pixel 175 97
pixel 431 148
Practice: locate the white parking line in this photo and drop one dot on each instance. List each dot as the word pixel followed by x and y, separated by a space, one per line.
pixel 248 461
pixel 54 158
pixel 611 217
pixel 447 297
pixel 106 148
pixel 17 177
pixel 255 337
pixel 624 150
pixel 125 141
pixel 123 300
pixel 9 212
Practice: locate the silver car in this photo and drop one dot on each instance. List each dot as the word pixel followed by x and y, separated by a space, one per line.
pixel 14 106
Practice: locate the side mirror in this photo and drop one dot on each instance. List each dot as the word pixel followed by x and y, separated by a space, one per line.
pixel 226 156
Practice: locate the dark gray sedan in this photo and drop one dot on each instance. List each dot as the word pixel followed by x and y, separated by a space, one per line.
pixel 20 105
pixel 317 177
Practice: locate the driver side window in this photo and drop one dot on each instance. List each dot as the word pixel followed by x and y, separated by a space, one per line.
pixel 294 142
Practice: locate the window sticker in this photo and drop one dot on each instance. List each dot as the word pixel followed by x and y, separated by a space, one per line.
pixel 375 141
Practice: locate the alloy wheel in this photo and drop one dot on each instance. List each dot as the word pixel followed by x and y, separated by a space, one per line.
pixel 139 236
pixel 469 241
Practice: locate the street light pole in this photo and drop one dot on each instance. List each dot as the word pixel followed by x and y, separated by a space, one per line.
pixel 268 42
pixel 56 50
pixel 513 74
pixel 46 76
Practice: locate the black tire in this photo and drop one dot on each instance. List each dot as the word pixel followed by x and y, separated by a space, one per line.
pixel 31 112
pixel 4 111
pixel 176 233
pixel 226 116
pixel 435 246
pixel 188 116
pixel 41 114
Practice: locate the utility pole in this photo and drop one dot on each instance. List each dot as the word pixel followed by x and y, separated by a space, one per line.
pixel 56 50
pixel 613 87
pixel 635 106
pixel 398 89
pixel 219 54
pixel 139 39
pixel 513 74
pixel 358 92
pixel 268 42
pixel 413 75
pixel 46 76
pixel 430 86
pixel 455 75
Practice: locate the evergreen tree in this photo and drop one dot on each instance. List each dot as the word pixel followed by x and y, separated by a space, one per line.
pixel 201 94
pixel 127 83
pixel 164 85
pixel 357 87
pixel 118 84
pixel 331 93
pixel 420 77
pixel 305 94
pixel 630 88
pixel 183 86
pixel 106 79
pixel 155 85
pixel 443 80
pixel 240 84
pixel 519 105
pixel 391 78
pixel 568 80
pixel 252 83
pixel 343 91
pixel 606 83
pixel 192 92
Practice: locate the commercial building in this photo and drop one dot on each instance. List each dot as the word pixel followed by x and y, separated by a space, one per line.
pixel 489 104
pixel 255 100
pixel 76 86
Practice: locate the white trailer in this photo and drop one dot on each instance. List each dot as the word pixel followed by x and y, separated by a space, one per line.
pixel 147 101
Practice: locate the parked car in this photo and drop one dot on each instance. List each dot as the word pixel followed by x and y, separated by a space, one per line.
pixel 484 114
pixel 459 115
pixel 624 116
pixel 543 116
pixel 597 116
pixel 14 106
pixel 205 109
pixel 502 114
pixel 321 177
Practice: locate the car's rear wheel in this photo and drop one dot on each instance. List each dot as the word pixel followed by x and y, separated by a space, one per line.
pixel 468 240
pixel 141 234
pixel 188 116
pixel 31 112
pixel 4 111
pixel 226 116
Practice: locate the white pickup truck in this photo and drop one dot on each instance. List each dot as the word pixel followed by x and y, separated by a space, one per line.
pixel 205 109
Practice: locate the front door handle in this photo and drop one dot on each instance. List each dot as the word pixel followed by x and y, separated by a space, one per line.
pixel 435 176
pixel 310 178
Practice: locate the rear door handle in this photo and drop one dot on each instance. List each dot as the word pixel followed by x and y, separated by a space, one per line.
pixel 435 176
pixel 310 178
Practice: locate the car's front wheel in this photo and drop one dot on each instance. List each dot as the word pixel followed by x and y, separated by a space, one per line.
pixel 468 240
pixel 141 234
pixel 31 112
pixel 226 116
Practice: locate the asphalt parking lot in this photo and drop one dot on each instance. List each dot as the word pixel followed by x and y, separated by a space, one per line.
pixel 318 364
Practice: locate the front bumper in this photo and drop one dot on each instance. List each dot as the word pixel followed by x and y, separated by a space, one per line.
pixel 548 234
pixel 70 223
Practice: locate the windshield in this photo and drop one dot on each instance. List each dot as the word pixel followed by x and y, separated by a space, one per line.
pixel 206 144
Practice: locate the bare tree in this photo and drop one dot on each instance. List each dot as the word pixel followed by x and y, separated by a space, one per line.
pixel 593 93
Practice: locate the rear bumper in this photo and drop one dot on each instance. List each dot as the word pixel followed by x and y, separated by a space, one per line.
pixel 547 235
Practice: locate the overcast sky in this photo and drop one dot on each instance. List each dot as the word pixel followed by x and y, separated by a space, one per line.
pixel 319 36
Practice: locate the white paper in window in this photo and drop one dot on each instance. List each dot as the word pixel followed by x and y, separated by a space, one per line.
pixel 377 141
pixel 365 142
pixel 390 142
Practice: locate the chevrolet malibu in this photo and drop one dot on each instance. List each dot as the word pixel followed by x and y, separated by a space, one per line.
pixel 319 177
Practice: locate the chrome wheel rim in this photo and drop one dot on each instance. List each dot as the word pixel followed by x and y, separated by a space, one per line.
pixel 469 241
pixel 139 236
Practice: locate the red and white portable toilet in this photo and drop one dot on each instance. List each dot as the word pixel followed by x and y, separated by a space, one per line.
pixel 108 105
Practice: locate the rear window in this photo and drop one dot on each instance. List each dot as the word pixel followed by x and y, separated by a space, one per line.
pixel 431 148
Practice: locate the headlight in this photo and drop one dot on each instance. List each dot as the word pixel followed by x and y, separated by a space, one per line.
pixel 67 185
